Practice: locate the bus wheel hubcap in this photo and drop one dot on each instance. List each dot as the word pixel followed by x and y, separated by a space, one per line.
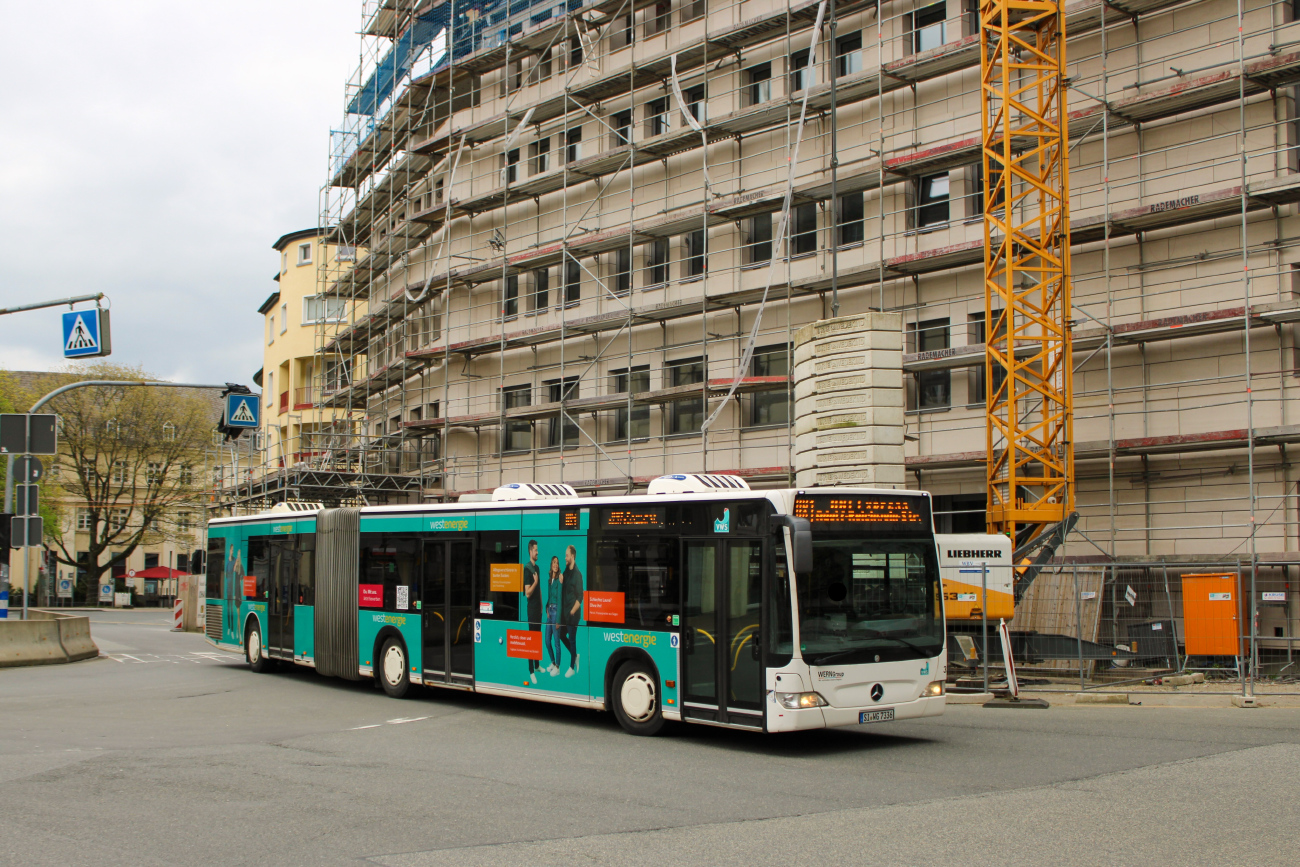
pixel 638 697
pixel 254 646
pixel 394 665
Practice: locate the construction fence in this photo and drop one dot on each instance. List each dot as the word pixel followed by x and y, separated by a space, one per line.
pixel 1097 625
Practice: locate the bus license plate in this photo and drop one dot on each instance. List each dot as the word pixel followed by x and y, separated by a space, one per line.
pixel 870 716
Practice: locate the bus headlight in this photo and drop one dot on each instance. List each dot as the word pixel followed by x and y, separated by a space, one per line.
pixel 933 688
pixel 797 700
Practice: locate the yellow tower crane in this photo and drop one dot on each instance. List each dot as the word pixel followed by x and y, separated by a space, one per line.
pixel 1028 373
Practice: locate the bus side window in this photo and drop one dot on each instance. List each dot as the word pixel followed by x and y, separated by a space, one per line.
pixel 216 565
pixel 307 569
pixel 644 570
pixel 259 565
pixel 780 633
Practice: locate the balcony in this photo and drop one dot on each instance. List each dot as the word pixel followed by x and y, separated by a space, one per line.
pixel 284 402
pixel 304 397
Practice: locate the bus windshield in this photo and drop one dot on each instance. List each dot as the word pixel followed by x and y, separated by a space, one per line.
pixel 870 600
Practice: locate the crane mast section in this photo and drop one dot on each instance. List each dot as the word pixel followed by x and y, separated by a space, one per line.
pixel 1028 371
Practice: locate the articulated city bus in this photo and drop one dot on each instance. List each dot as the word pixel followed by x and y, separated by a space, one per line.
pixel 701 601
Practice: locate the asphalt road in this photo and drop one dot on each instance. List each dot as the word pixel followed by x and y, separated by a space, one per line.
pixel 165 751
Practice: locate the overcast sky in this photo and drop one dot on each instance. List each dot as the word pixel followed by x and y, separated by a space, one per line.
pixel 154 151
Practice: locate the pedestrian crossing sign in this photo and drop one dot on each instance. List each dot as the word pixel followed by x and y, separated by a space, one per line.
pixel 242 411
pixel 86 334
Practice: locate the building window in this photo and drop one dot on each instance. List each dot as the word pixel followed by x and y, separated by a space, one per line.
pixel 119 472
pixel 304 254
pixel 933 387
pixel 621 123
pixel 539 298
pixel 771 407
pixel 284 318
pixel 686 416
pixel 760 239
pixel 656 116
pixel 572 281
pixel 573 145
pixel 636 424
pixel 622 283
pixel 660 19
pixel 270 329
pixel 848 54
pixel 539 153
pixel 805 229
pixel 692 10
pixel 270 389
pixel 575 52
pixel 657 263
pixel 510 166
pixel 510 300
pixel 562 429
pixel 932 200
pixel 184 522
pixel 344 253
pixel 153 474
pixel 169 434
pixel 543 67
pixel 975 205
pixel 802 76
pixel 83 519
pixel 518 435
pixel 322 308
pixel 695 263
pixel 694 97
pixel 186 476
pixel 928 27
pixel 760 83
pixel 624 33
pixel 976 334
pixel 117 518
pixel 850 219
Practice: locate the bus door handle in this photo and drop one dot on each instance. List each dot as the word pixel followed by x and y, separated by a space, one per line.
pixel 756 649
pixel 688 639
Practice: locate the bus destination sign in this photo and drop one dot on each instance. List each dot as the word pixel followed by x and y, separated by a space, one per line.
pixel 632 516
pixel 841 509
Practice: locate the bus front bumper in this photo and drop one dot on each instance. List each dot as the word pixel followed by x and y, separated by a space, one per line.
pixel 784 720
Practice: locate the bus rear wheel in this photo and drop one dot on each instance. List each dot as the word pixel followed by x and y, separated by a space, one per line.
pixel 636 699
pixel 253 650
pixel 394 673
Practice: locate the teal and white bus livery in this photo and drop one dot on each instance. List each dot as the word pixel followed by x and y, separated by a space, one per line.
pixel 701 600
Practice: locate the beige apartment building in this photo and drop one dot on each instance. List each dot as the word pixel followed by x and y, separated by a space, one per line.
pixel 572 225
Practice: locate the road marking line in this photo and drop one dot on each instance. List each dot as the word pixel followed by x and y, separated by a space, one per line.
pixel 359 728
pixel 400 720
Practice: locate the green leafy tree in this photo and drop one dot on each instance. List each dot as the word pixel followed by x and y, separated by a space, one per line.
pixel 132 461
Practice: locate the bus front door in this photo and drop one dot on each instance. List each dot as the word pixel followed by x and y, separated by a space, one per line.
pixel 279 627
pixel 722 673
pixel 448 616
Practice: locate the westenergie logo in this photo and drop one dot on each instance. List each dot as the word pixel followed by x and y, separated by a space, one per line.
pixel 449 525
pixel 632 638
pixel 395 619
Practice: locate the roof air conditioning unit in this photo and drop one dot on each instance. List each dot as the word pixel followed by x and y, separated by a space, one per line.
pixel 534 491
pixel 696 483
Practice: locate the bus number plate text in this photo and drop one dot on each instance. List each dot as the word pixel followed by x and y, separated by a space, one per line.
pixel 870 716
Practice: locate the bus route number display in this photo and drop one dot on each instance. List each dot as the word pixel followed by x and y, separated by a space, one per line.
pixel 631 516
pixel 857 510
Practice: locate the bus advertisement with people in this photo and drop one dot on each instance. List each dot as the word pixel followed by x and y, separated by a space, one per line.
pixel 701 601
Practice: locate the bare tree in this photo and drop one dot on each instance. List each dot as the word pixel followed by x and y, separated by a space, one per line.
pixel 133 458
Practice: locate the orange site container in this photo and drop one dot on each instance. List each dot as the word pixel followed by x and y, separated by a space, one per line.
pixel 1212 614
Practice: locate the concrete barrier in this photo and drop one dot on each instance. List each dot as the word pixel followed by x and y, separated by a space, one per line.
pixel 45 638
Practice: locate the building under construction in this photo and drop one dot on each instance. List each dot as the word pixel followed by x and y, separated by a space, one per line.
pixel 572 256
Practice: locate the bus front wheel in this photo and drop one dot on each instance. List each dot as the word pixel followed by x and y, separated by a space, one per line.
pixel 636 699
pixel 253 650
pixel 394 675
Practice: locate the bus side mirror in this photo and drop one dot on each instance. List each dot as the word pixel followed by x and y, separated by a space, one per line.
pixel 800 541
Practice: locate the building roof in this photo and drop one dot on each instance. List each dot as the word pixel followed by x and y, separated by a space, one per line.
pixel 269 303
pixel 257 377
pixel 285 240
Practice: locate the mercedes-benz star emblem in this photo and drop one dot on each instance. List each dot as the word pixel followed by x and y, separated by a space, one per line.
pixel 877 692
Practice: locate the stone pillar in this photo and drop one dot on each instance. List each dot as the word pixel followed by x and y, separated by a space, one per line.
pixel 848 402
